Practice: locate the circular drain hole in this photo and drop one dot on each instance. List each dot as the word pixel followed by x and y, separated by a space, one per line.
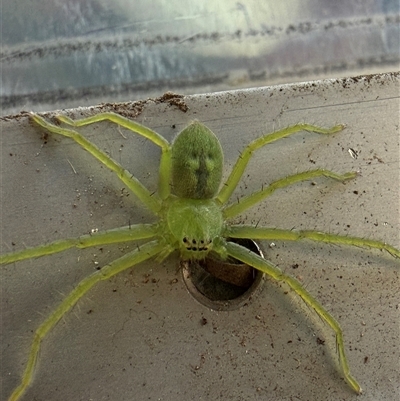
pixel 222 284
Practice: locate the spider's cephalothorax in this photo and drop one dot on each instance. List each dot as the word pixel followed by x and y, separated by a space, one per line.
pixel 196 225
pixel 193 219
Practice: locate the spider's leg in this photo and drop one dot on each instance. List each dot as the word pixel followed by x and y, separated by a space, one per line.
pixel 141 254
pixel 245 156
pixel 152 202
pixel 122 234
pixel 165 162
pixel 252 259
pixel 249 201
pixel 238 231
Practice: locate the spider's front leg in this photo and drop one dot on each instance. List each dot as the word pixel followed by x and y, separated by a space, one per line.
pixel 122 234
pixel 139 255
pixel 242 254
pixel 243 231
pixel 250 258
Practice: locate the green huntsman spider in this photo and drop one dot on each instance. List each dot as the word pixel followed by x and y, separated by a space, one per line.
pixel 193 209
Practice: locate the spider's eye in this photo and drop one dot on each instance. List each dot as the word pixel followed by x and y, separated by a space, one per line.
pixel 192 244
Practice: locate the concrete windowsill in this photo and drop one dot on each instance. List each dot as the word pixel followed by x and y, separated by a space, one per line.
pixel 141 335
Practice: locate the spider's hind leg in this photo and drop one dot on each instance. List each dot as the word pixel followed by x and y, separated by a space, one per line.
pixel 133 126
pixel 258 143
pixel 149 200
pixel 251 200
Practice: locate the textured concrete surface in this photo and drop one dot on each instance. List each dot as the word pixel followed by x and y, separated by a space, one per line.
pixel 142 335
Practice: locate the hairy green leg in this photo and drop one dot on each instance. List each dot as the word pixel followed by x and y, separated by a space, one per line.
pixel 122 234
pixel 251 200
pixel 244 158
pixel 165 162
pixel 139 255
pixel 149 200
pixel 252 259
pixel 237 231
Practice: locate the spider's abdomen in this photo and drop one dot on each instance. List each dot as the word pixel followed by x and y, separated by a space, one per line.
pixel 197 162
pixel 194 225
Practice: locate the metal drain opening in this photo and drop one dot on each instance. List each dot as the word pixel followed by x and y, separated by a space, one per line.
pixel 222 285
